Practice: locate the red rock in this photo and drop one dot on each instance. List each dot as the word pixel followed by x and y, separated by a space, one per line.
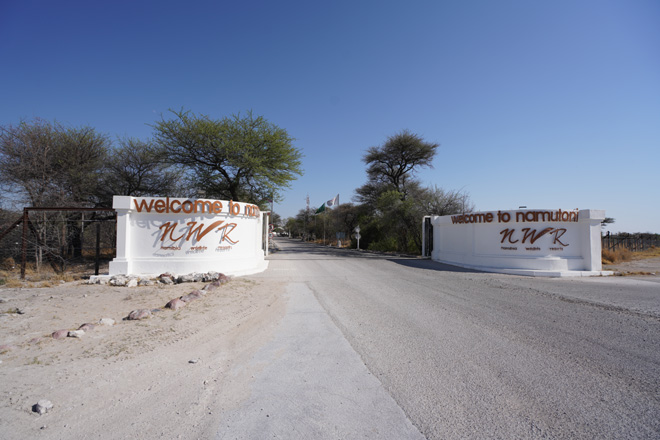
pixel 195 294
pixel 175 304
pixel 87 327
pixel 211 286
pixel 60 334
pixel 139 314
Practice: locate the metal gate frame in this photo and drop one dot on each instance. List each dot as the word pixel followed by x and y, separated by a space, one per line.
pixel 27 225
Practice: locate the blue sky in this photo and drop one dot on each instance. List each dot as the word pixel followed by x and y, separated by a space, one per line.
pixel 543 104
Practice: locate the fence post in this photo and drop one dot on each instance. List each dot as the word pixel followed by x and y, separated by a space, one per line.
pixel 24 243
pixel 98 248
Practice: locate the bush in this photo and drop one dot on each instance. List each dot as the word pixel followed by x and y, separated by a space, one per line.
pixel 387 244
pixel 8 264
pixel 611 257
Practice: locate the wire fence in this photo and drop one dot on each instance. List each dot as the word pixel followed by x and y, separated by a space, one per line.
pixel 58 239
pixel 632 242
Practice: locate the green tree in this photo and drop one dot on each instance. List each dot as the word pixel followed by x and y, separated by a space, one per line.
pixel 393 201
pixel 240 158
pixel 606 222
pixel 292 227
pixel 396 161
pixel 346 218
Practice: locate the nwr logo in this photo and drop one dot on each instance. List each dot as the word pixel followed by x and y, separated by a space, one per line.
pixel 195 232
pixel 532 235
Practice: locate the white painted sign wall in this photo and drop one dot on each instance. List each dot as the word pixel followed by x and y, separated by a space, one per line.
pixel 162 234
pixel 528 242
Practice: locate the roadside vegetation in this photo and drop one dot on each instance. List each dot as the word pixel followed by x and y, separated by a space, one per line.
pixel 623 254
pixel 50 165
pixel 390 206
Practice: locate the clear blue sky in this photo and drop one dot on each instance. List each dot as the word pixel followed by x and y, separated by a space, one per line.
pixel 548 104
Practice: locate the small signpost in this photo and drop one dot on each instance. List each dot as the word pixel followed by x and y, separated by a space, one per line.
pixel 357 236
pixel 340 236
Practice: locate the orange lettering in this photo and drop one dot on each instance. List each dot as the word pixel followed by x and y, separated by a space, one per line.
pixel 558 233
pixel 226 230
pixel 172 206
pixel 143 205
pixel 198 230
pixel 169 229
pixel 507 233
pixel 204 204
pixel 534 236
pixel 160 206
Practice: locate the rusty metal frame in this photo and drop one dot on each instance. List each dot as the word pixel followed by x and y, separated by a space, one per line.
pixel 27 224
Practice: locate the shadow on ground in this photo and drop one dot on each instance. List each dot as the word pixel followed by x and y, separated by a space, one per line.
pixel 431 265
pixel 299 250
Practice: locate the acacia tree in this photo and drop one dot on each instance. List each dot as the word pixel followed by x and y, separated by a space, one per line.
pixel 394 201
pixel 81 155
pixel 436 201
pixel 49 165
pixel 45 164
pixel 135 169
pixel 396 161
pixel 240 158
pixel 27 152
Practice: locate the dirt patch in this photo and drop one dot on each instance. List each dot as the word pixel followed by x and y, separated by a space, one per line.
pixel 646 266
pixel 133 379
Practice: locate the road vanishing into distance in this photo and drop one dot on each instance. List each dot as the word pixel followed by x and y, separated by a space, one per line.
pixel 385 347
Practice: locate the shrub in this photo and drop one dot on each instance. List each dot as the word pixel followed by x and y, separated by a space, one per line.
pixel 8 264
pixel 611 257
pixel 387 244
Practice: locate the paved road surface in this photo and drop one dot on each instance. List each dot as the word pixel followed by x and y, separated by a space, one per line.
pixel 452 354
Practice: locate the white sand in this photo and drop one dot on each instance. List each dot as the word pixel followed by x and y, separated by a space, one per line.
pixel 134 379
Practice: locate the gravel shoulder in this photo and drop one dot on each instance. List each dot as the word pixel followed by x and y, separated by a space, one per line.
pixel 647 266
pixel 119 381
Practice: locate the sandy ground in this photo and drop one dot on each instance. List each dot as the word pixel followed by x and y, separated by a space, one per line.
pixel 647 266
pixel 133 379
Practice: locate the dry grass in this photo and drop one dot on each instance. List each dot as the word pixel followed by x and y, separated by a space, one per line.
pixel 652 252
pixel 617 256
pixel 636 273
pixel 623 254
pixel 33 278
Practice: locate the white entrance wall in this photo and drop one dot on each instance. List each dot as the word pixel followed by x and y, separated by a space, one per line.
pixel 537 242
pixel 181 236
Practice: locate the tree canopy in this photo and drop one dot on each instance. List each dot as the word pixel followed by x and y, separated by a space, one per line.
pixel 397 160
pixel 135 169
pixel 393 201
pixel 49 164
pixel 240 158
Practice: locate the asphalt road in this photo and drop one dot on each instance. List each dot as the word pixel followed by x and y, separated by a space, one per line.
pixel 457 354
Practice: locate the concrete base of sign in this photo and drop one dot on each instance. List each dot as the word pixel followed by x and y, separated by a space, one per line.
pixel 235 273
pixel 152 269
pixel 181 236
pixel 534 272
pixel 542 243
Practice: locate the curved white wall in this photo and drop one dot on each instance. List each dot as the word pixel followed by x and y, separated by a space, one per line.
pixel 181 236
pixel 527 242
